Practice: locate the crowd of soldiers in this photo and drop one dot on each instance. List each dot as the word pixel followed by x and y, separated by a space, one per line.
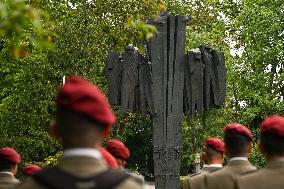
pixel 84 119
pixel 239 173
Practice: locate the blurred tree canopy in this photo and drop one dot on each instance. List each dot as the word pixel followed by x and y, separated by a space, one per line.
pixel 42 41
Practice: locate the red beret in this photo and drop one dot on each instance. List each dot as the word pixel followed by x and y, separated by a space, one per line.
pixel 273 124
pixel 82 96
pixel 215 143
pixel 118 149
pixel 238 128
pixel 10 154
pixel 110 160
pixel 31 169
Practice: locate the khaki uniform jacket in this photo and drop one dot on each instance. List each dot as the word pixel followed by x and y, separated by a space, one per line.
pixel 81 166
pixel 269 177
pixel 225 178
pixel 196 181
pixel 7 181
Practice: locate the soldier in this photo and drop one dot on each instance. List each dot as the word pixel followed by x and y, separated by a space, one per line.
pixel 119 151
pixel 31 169
pixel 9 160
pixel 121 154
pixel 83 119
pixel 213 154
pixel 238 145
pixel 272 146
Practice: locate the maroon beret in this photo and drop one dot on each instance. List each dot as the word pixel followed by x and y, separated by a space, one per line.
pixel 215 143
pixel 81 95
pixel 239 129
pixel 273 124
pixel 31 169
pixel 10 154
pixel 118 149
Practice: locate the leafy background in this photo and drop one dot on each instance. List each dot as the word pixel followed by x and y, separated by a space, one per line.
pixel 42 41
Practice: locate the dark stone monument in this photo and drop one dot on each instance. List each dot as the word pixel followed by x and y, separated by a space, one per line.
pixel 167 83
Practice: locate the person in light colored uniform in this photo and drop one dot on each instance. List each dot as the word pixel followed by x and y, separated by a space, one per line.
pixel 83 119
pixel 238 145
pixel 213 155
pixel 272 147
pixel 9 160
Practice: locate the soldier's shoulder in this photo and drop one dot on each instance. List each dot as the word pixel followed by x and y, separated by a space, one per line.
pixel 250 174
pixel 195 174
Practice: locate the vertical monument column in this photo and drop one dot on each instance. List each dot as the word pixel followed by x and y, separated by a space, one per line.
pixel 168 59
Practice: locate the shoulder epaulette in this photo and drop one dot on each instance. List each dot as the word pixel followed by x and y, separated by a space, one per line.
pixel 249 172
pixel 194 174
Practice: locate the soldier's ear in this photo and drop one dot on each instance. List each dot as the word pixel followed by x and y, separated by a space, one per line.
pixel 250 147
pixel 54 131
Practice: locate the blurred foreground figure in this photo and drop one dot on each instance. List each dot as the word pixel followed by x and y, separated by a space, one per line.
pixel 213 156
pixel 238 145
pixel 31 169
pixel 9 160
pixel 272 146
pixel 84 119
pixel 121 154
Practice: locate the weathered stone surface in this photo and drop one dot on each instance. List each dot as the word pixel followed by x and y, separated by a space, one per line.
pixel 113 71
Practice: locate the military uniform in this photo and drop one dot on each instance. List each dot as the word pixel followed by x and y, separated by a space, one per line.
pixel 224 178
pixel 196 181
pixel 82 166
pixel 7 180
pixel 271 141
pixel 269 177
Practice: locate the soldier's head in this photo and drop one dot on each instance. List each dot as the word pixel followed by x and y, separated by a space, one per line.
pixel 119 151
pixel 238 140
pixel 83 116
pixel 213 149
pixel 30 170
pixel 272 136
pixel 9 160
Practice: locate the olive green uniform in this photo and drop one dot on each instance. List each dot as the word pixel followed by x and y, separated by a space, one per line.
pixel 196 181
pixel 7 180
pixel 225 178
pixel 269 177
pixel 84 167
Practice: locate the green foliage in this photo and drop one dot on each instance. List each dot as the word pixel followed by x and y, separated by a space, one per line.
pixel 22 26
pixel 85 31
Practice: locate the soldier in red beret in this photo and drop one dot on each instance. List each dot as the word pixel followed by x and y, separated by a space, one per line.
pixel 83 119
pixel 9 160
pixel 213 155
pixel 31 169
pixel 272 147
pixel 238 145
pixel 121 154
pixel 119 151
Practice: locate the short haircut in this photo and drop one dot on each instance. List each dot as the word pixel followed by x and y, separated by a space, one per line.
pixel 6 165
pixel 236 144
pixel 75 125
pixel 211 153
pixel 272 143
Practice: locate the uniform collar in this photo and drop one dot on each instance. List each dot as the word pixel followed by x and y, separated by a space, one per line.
pixel 87 152
pixel 6 173
pixel 238 159
pixel 215 165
